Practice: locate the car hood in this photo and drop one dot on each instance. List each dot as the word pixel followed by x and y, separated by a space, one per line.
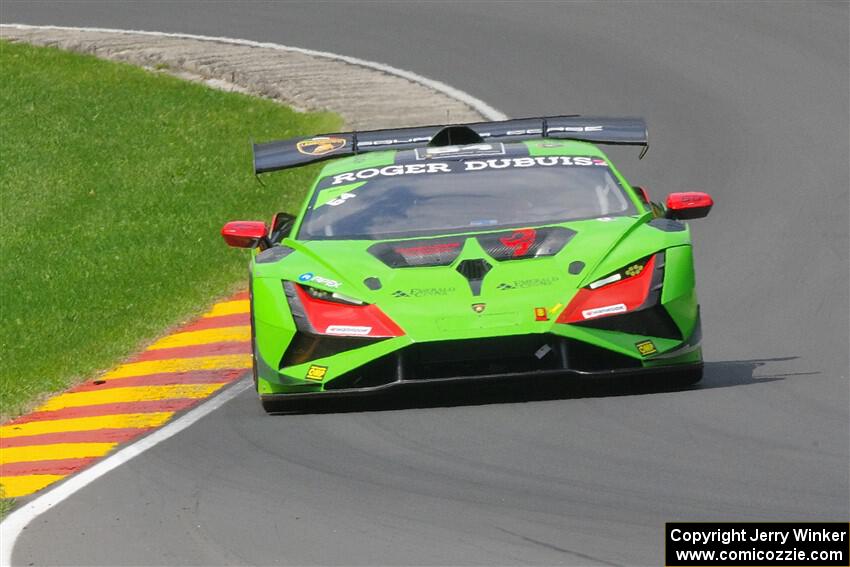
pixel 462 285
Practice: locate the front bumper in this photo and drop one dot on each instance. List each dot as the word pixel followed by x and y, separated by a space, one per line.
pixel 489 358
pixel 398 384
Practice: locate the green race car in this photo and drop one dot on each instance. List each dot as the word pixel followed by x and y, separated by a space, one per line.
pixel 488 250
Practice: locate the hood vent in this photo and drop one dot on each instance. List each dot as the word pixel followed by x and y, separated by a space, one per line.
pixel 474 272
pixel 524 243
pixel 418 253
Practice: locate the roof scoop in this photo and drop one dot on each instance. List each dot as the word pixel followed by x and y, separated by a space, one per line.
pixel 455 136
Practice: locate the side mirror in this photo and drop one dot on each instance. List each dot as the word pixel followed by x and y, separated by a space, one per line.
pixel 245 234
pixel 690 205
pixel 281 226
pixel 642 193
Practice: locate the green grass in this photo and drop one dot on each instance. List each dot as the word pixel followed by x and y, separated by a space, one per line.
pixel 6 505
pixel 114 184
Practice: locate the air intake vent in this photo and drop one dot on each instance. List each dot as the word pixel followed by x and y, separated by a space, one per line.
pixel 418 253
pixel 474 272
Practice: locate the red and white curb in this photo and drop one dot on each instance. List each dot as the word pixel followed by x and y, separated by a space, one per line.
pixel 71 431
pixel 76 437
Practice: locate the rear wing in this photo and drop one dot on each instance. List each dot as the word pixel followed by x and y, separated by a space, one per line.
pixel 274 156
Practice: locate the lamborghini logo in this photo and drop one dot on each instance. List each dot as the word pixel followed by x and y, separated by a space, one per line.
pixel 320 146
pixel 478 307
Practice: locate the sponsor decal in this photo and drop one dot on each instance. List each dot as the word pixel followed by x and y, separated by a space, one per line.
pixel 424 292
pixel 523 284
pixel 574 129
pixel 311 277
pixel 518 132
pixel 392 141
pixel 389 171
pixel 320 146
pixel 336 195
pixel 607 310
pixel 466 165
pixel 645 348
pixel 547 161
pixel 470 150
pixel 540 314
pixel 347 330
pixel 479 307
pixel 520 241
pixel 341 199
pixel 316 372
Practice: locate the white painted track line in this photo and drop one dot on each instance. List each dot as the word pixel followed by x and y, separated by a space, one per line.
pixel 477 104
pixel 18 520
pixel 15 522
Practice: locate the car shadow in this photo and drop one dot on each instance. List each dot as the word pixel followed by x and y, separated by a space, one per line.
pixel 723 374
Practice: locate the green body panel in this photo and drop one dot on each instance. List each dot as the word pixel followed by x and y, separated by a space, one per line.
pixel 679 294
pixel 437 301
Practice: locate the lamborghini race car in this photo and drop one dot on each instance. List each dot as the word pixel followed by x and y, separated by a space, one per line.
pixel 463 252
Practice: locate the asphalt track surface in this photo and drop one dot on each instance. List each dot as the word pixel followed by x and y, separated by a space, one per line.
pixel 748 102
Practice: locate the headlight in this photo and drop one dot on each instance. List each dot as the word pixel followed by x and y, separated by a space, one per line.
pixel 630 271
pixel 625 290
pixel 331 296
pixel 322 312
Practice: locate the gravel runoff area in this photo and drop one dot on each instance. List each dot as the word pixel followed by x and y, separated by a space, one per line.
pixel 365 98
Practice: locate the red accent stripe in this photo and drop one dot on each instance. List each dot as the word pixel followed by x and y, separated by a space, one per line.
pixel 232 320
pixel 116 408
pixel 166 379
pixel 93 436
pixel 194 351
pixel 59 466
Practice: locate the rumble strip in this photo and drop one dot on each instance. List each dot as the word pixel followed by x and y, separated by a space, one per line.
pixel 74 429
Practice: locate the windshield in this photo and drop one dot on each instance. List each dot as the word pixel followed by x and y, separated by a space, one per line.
pixel 420 199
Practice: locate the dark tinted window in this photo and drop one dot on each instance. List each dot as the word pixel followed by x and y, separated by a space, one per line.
pixel 462 196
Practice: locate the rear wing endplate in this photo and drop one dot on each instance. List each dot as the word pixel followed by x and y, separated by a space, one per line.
pixel 295 152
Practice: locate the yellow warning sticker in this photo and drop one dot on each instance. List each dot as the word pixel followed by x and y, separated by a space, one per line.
pixel 316 372
pixel 645 348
